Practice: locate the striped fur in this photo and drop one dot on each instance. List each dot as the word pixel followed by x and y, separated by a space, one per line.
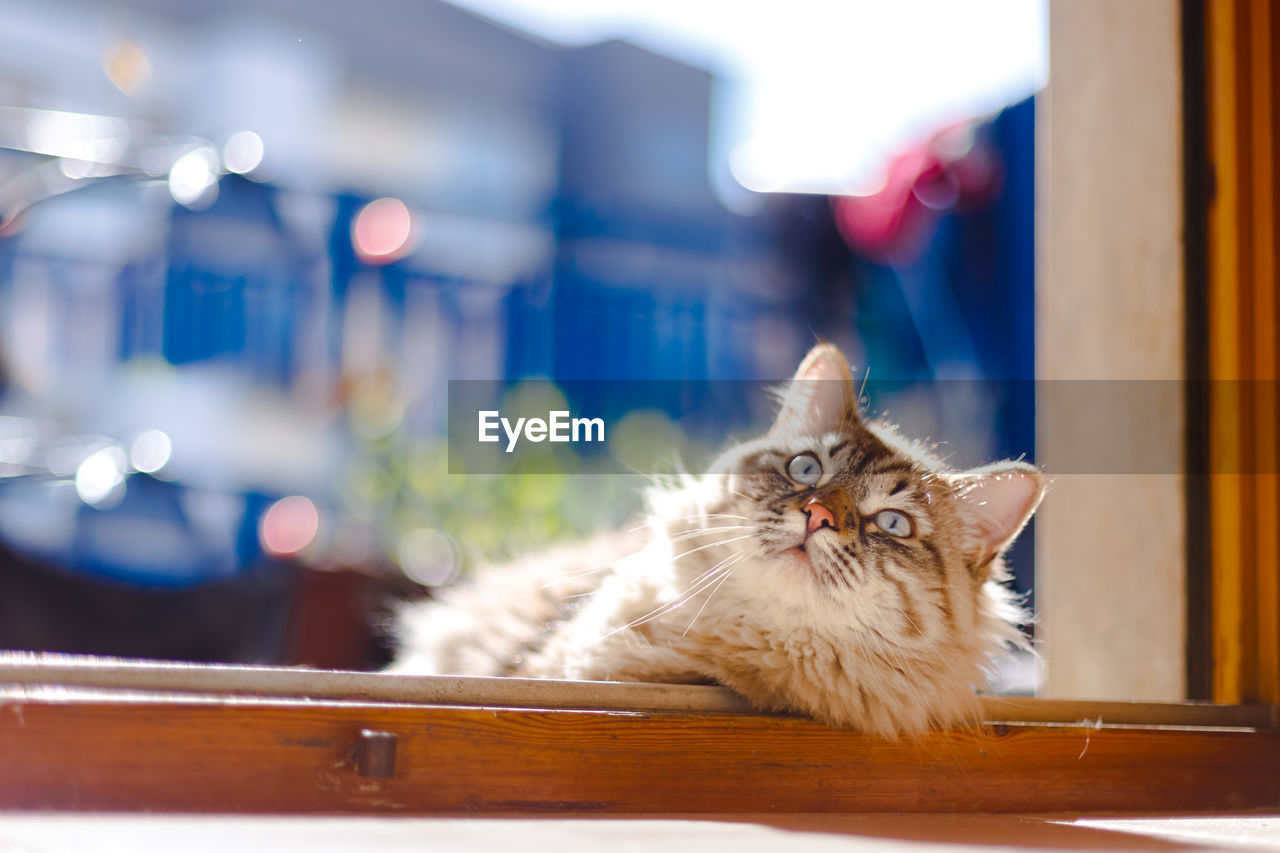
pixel 854 626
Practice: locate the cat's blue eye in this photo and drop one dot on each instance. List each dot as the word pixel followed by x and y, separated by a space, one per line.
pixel 805 469
pixel 893 522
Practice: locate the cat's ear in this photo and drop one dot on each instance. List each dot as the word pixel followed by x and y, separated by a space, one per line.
pixel 820 397
pixel 995 502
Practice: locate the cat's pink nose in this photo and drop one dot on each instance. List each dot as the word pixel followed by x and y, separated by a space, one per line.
pixel 819 515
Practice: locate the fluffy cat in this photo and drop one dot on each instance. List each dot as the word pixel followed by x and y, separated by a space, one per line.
pixel 829 567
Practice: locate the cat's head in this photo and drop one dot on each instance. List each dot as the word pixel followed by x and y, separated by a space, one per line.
pixel 850 520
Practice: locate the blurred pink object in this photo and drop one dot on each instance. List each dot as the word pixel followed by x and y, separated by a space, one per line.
pixel 954 170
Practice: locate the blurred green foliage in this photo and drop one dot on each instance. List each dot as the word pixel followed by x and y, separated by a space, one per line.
pixel 397 484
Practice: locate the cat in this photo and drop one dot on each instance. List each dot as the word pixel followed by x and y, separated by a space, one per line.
pixel 830 567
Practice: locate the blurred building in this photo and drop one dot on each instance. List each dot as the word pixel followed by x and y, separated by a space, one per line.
pixel 272 231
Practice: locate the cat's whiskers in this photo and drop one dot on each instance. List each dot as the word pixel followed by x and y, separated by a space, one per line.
pixel 712 545
pixel 577 575
pixel 906 614
pixel 716 573
pixel 732 558
pixel 693 534
pixel 697 517
pixel 707 579
pixel 686 534
pixel 701 515
pixel 724 577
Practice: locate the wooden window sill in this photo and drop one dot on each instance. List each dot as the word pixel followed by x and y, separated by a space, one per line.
pixel 83 734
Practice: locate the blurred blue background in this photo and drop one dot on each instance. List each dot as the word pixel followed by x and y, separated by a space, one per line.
pixel 244 246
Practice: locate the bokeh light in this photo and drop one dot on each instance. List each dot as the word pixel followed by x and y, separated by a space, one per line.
pixel 18 438
pixel 127 66
pixel 243 152
pixel 382 230
pixel 193 180
pixel 646 440
pixel 100 478
pixel 377 408
pixel 429 557
pixel 150 451
pixel 289 525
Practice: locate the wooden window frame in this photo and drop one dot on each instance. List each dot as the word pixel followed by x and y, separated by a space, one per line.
pixel 1159 227
pixel 1240 191
pixel 113 735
